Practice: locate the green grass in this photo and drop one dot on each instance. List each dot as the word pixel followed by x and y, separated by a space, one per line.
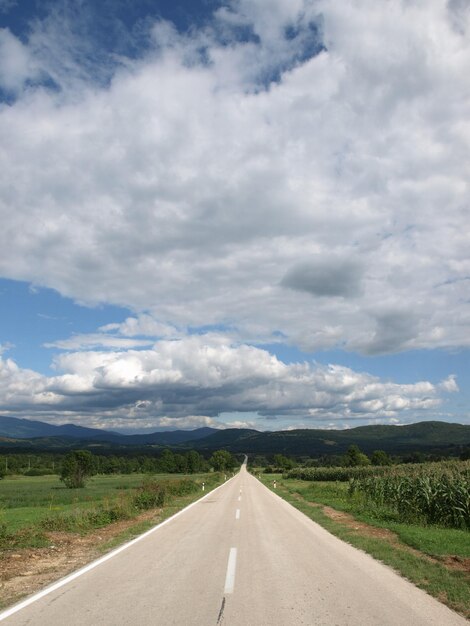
pixel 433 540
pixel 29 506
pixel 448 585
pixel 26 500
pixel 47 491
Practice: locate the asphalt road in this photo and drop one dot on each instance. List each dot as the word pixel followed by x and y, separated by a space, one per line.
pixel 240 557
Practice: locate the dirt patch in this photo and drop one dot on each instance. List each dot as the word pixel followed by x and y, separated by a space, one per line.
pixel 348 520
pixel 25 571
pixel 457 562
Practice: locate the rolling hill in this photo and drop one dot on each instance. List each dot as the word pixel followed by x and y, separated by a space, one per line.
pixel 423 436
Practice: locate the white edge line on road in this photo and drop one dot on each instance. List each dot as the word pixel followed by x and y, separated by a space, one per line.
pixel 237 514
pixel 231 567
pixel 64 581
pixel 239 498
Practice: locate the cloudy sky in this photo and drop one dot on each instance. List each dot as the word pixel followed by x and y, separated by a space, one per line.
pixel 235 212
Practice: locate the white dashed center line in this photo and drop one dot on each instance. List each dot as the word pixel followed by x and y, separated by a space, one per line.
pixel 231 567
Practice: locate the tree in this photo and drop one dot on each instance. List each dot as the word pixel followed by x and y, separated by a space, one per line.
pixel 355 457
pixel 283 462
pixel 380 457
pixel 195 462
pixel 221 460
pixel 77 467
pixel 181 464
pixel 465 454
pixel 167 462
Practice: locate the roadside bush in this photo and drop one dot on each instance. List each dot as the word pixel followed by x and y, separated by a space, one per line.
pixel 26 537
pixel 3 533
pixel 149 498
pixel 82 520
pixel 154 494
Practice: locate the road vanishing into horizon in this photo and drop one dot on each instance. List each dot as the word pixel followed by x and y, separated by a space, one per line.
pixel 241 556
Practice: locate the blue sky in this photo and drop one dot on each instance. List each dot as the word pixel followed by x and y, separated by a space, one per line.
pixel 234 213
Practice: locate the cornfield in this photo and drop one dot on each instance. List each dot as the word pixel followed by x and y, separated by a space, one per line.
pixel 435 493
pixel 342 474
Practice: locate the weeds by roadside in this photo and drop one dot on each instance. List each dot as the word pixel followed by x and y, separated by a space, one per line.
pixel 153 493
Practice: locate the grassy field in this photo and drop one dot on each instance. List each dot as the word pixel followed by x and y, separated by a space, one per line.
pixel 434 558
pixel 43 502
pixel 25 500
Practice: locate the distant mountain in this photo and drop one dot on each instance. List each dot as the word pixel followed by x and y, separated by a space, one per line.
pixel 423 436
pixel 16 428
pixel 165 438
pixel 26 429
pixel 230 438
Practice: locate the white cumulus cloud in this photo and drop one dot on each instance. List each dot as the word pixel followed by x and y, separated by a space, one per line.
pixel 175 191
pixel 199 377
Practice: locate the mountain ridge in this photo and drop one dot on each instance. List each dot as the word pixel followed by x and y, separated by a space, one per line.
pixel 420 436
pixel 22 428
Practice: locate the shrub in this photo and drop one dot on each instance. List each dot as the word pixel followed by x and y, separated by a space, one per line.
pixel 77 467
pixel 155 494
pixel 3 534
pixel 149 499
pixel 82 520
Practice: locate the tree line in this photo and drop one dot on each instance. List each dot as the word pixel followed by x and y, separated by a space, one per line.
pixel 79 465
pixel 164 462
pixel 168 461
pixel 353 457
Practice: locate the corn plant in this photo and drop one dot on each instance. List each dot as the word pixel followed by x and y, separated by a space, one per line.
pixel 436 493
pixel 341 474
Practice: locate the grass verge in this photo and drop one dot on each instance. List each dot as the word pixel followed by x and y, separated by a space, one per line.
pixel 161 515
pixel 434 559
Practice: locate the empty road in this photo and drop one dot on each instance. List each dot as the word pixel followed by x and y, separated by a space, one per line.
pixel 239 557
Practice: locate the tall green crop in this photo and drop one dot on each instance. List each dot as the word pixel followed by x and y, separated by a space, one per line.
pixel 437 493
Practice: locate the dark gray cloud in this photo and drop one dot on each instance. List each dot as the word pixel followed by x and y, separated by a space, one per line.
pixel 326 276
pixel 393 330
